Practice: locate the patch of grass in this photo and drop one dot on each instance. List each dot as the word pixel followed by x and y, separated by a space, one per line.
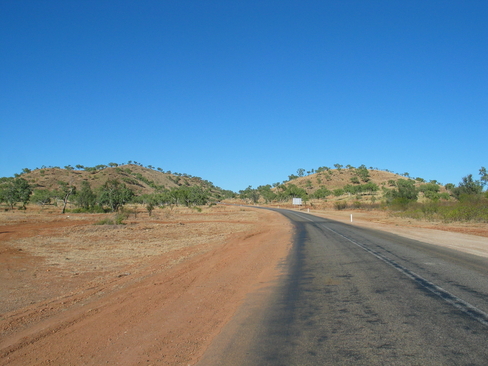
pixel 474 209
pixel 95 209
pixel 118 219
pixel 106 221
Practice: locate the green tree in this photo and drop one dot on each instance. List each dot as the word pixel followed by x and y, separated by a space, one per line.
pixel 484 176
pixel 403 194
pixel 450 186
pixel 290 191
pixel 429 187
pixel 166 198
pixel 267 194
pixel 250 194
pixel 338 166
pixel 322 192
pixel 114 194
pixel 338 192
pixel 24 191
pixel 468 187
pixel 15 191
pixel 363 173
pixel 322 169
pixel 370 187
pixel 41 197
pixel 300 172
pixel 64 193
pixel 86 198
pixel 192 196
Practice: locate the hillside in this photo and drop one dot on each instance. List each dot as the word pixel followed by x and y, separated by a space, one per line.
pixel 337 184
pixel 138 178
pixel 334 179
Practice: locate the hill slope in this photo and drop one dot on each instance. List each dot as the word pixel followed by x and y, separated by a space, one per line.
pixel 335 180
pixel 140 179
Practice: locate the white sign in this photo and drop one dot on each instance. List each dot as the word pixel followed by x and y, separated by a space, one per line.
pixel 297 201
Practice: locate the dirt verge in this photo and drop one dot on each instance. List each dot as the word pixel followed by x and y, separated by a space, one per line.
pixel 154 291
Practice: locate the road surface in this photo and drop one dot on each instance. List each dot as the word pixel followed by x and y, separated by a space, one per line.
pixel 355 296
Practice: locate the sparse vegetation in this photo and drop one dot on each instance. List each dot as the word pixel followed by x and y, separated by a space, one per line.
pixel 16 191
pixel 118 219
pixel 355 180
pixel 104 188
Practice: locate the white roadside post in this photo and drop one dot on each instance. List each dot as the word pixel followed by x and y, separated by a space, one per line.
pixel 351 217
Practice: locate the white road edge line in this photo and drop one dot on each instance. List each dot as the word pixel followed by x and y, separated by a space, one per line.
pixel 460 304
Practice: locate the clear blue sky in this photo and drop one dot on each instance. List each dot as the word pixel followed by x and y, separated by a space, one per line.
pixel 245 92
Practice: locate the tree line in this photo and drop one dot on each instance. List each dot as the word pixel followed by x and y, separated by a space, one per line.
pixel 110 197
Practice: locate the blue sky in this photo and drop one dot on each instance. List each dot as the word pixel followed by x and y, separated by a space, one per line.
pixel 245 92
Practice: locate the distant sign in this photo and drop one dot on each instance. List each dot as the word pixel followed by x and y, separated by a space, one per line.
pixel 297 201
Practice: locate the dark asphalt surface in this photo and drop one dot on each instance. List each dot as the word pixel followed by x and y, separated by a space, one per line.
pixel 354 296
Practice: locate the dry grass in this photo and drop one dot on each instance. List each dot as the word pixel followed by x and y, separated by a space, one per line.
pixel 55 253
pixel 82 247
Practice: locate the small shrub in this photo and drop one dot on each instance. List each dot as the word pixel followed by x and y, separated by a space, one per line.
pixel 106 221
pixel 120 217
pixel 338 192
pixel 150 208
pixel 117 220
pixel 340 205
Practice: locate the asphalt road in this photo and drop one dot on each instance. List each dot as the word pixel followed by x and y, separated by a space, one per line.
pixel 354 296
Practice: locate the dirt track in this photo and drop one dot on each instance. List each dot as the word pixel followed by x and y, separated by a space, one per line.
pixel 155 291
